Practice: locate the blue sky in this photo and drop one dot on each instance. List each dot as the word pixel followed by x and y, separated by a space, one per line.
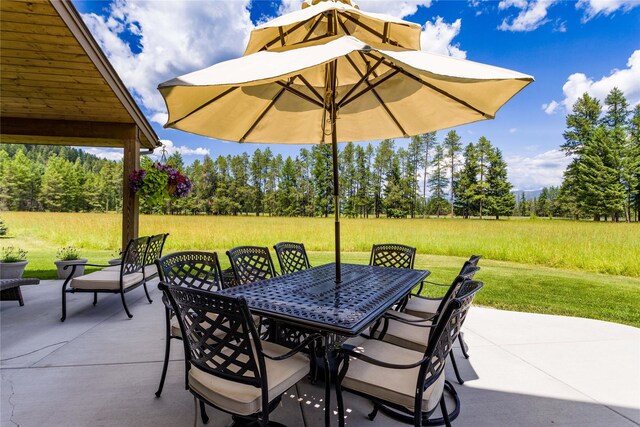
pixel 569 47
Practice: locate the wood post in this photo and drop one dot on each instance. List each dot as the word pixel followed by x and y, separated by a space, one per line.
pixel 130 205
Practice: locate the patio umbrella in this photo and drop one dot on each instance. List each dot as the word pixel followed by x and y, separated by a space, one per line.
pixel 336 89
pixel 315 22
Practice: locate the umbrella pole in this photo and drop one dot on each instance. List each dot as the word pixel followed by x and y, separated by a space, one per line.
pixel 334 147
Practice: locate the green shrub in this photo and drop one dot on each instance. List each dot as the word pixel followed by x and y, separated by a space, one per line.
pixel 68 253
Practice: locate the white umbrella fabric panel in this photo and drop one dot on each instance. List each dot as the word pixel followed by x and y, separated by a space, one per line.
pixel 312 23
pixel 379 94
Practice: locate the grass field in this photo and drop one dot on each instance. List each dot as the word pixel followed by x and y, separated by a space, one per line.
pixel 572 268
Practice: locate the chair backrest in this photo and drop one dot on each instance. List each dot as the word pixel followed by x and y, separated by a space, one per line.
pixel 454 289
pixel 154 249
pixel 251 263
pixel 292 257
pixel 392 255
pixel 133 256
pixel 445 334
pixel 218 334
pixel 472 261
pixel 192 269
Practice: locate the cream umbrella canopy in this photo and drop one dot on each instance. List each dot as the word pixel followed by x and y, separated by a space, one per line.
pixel 336 89
pixel 315 22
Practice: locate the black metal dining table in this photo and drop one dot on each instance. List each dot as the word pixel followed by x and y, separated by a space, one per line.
pixel 312 299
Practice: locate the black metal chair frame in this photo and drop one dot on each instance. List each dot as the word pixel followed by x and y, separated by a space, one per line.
pixel 251 263
pixel 392 255
pixel 245 363
pixel 153 253
pixel 292 257
pixel 132 262
pixel 193 269
pixel 446 330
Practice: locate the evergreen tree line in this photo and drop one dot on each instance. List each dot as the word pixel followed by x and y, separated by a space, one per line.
pixel 426 178
pixel 603 179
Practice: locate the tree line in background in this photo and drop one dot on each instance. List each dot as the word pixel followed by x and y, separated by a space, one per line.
pixel 426 178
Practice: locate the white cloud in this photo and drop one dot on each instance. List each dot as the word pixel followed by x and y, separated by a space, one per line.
pixel 604 7
pixel 541 170
pixel 170 149
pixel 551 107
pixel 532 14
pixel 175 37
pixel 627 80
pixel 105 153
pixel 513 130
pixel 437 36
pixel 160 118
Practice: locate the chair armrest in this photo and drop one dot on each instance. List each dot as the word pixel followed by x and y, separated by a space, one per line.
pixel 296 349
pixel 425 298
pixel 85 265
pixel 421 323
pixel 351 350
pixel 436 284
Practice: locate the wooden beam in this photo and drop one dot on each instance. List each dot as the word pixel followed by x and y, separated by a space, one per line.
pixel 130 203
pixel 65 128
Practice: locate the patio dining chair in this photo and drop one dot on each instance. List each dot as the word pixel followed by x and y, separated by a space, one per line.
pixel 230 367
pixel 292 257
pixel 251 263
pixel 392 255
pixel 413 332
pixel 406 384
pixel 192 269
pixel 121 280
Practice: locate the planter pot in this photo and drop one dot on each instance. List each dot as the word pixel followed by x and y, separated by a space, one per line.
pixel 12 270
pixel 63 274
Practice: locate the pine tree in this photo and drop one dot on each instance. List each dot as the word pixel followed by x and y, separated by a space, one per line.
pixel 581 124
pixel 394 202
pixel 466 182
pixel 438 182
pixel 500 200
pixel 322 178
pixel 428 141
pixel 633 161
pixel 616 120
pixel 452 147
pixel 381 166
pixel 483 150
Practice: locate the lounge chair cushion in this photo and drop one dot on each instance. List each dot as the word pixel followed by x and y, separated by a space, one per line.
pixel 150 271
pixel 407 336
pixel 391 385
pixel 245 399
pixel 423 307
pixel 105 280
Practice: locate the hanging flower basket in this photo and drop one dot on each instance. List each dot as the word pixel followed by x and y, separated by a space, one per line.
pixel 159 183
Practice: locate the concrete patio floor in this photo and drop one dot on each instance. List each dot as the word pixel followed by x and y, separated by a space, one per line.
pixel 101 369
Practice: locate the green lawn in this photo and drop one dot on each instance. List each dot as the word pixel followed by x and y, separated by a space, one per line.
pixel 553 267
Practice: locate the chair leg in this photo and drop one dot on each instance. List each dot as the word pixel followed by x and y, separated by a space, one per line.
pixel 455 368
pixel 144 285
pixel 463 346
pixel 124 303
pixel 445 414
pixel 167 349
pixel 203 413
pixel 19 294
pixel 95 298
pixel 64 301
pixel 373 413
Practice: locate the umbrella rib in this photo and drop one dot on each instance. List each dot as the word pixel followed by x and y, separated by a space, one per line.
pixel 435 88
pixel 293 29
pixel 301 95
pixel 362 79
pixel 311 88
pixel 313 28
pixel 370 87
pixel 365 61
pixel 223 94
pixel 261 116
pixel 371 30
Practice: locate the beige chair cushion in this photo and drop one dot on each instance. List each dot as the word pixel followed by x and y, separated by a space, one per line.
pixel 245 399
pixel 150 270
pixel 407 336
pixel 392 385
pixel 102 279
pixel 112 268
pixel 423 307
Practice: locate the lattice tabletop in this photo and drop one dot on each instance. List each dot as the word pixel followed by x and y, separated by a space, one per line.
pixel 312 298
